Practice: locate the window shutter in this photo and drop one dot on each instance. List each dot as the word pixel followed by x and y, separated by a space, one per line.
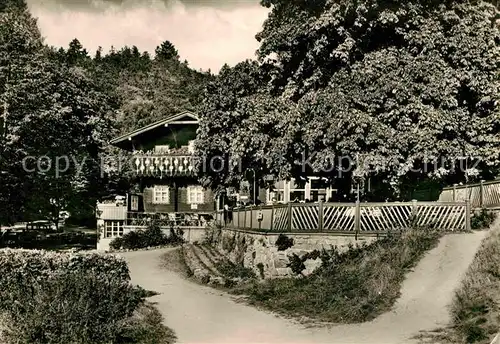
pixel 202 195
pixel 141 203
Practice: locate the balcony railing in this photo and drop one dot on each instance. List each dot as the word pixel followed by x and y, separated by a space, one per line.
pixel 171 163
pixel 111 211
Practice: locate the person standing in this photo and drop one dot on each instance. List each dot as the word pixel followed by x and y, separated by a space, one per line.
pixel 226 213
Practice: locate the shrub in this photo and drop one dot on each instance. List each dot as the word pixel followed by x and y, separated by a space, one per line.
pixel 152 236
pixel 176 236
pixel 260 266
pixel 229 242
pixel 116 243
pixel 482 220
pixel 283 242
pixel 296 264
pixel 49 297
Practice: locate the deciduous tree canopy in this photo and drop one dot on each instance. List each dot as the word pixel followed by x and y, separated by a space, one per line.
pixel 400 85
pixel 63 106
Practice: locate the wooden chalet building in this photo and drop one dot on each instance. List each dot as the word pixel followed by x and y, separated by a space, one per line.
pixel 167 187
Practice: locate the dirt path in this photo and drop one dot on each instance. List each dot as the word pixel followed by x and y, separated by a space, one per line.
pixel 201 315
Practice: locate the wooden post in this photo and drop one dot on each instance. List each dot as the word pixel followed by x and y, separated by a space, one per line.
pixel 414 207
pixel 238 218
pixel 414 212
pixel 481 194
pixel 467 215
pixel 454 192
pixel 320 215
pixel 245 219
pixel 251 217
pixel 272 217
pixel 357 219
pixel 260 221
pixel 289 216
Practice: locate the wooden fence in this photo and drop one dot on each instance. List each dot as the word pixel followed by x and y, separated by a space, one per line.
pixel 350 217
pixel 481 195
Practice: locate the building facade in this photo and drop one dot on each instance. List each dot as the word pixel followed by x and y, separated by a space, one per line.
pixel 167 188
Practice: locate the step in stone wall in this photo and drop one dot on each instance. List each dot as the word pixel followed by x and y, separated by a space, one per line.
pixel 254 249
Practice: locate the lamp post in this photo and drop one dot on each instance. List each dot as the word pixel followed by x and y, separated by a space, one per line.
pixel 254 191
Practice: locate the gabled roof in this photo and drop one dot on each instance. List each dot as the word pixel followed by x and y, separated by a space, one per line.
pixel 172 119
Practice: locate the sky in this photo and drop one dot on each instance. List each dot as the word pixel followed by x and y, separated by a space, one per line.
pixel 207 33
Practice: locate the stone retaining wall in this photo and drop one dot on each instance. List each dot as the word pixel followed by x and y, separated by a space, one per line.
pixel 254 249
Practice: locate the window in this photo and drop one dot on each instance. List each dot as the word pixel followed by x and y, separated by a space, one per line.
pixel 195 195
pixel 113 229
pixel 318 183
pixel 318 189
pixel 161 194
pixel 277 193
pixel 276 196
pixel 296 195
pixel 134 203
pixel 297 191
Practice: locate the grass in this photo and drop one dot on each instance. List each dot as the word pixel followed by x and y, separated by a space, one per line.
pixel 146 327
pixel 174 260
pixel 350 287
pixel 475 309
pixel 230 270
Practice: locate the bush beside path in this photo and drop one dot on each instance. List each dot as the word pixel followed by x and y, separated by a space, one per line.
pixel 83 298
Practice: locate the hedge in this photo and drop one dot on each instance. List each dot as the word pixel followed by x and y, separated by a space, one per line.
pixel 150 237
pixel 52 297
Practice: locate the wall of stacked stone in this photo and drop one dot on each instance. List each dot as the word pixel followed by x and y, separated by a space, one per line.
pixel 254 249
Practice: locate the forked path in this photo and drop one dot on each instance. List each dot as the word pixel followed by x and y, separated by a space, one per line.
pixel 201 315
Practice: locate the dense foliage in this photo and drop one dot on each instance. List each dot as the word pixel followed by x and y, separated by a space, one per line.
pixel 59 109
pixel 49 297
pixel 482 220
pixel 405 90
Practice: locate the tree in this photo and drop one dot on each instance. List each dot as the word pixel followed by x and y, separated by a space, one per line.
pixel 166 51
pixel 393 86
pixel 20 45
pixel 13 5
pixel 220 122
pixel 54 112
pixel 76 53
pixel 63 130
